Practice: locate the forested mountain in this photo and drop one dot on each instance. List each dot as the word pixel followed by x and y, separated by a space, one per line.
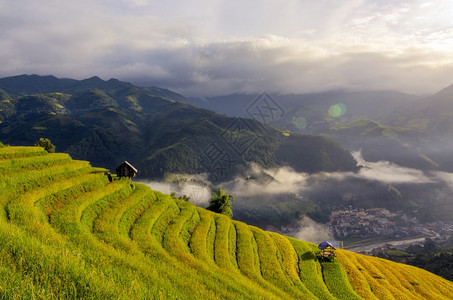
pixel 107 122
pixel 411 131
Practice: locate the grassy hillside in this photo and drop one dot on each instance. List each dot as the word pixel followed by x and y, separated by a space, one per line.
pixel 66 231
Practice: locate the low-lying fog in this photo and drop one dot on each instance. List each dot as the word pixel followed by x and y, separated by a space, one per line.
pixel 372 178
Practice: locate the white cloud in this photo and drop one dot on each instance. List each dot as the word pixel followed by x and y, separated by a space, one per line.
pixel 201 48
pixel 194 186
pixel 445 177
pixel 388 172
pixel 313 232
pixel 426 4
pixel 286 180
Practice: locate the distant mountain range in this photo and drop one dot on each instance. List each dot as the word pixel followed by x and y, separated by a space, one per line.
pixel 377 105
pixel 385 125
pixel 107 122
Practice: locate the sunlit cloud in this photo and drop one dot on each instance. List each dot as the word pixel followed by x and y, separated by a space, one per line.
pixel 387 172
pixel 200 48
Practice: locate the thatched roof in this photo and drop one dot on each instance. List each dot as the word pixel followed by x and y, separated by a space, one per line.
pixel 127 164
pixel 325 244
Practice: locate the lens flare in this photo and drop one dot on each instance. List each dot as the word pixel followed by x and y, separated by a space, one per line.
pixel 337 110
pixel 299 122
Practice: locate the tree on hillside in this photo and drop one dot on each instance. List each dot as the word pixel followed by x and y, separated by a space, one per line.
pixel 184 197
pixel 221 203
pixel 46 144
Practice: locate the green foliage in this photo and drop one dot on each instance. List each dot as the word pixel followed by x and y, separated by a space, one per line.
pixel 1 145
pixel 429 257
pixel 221 203
pixel 429 245
pixel 46 144
pixel 3 95
pixel 396 253
pixel 404 146
pixel 438 263
pixel 184 198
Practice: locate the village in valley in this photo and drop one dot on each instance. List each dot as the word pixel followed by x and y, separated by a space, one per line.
pixel 361 228
pixel 380 222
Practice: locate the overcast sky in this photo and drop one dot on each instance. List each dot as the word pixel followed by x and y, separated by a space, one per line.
pixel 215 47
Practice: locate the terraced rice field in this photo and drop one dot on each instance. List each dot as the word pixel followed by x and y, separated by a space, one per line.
pixel 66 231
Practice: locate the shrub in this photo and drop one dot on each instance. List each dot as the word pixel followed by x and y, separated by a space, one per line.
pixel 221 203
pixel 46 144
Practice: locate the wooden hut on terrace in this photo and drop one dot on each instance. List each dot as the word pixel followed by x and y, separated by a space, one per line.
pixel 327 250
pixel 126 170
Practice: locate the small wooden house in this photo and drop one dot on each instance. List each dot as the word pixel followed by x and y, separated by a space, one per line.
pixel 327 250
pixel 126 170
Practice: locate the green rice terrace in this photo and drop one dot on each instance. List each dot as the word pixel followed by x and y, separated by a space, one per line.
pixel 66 231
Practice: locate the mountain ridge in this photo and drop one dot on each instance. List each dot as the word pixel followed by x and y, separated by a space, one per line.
pixel 112 121
pixel 24 84
pixel 410 131
pixel 373 104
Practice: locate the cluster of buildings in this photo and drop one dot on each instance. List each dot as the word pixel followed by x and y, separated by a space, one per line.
pixel 362 223
pixel 375 222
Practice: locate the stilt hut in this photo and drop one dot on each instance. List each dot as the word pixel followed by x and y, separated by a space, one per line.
pixel 126 170
pixel 327 250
